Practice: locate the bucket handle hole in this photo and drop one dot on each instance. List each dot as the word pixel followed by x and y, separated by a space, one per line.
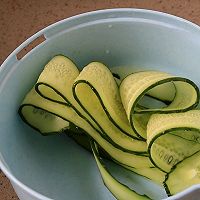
pixel 30 46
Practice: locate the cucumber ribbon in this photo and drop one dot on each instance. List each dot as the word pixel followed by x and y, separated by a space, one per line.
pixel 147 124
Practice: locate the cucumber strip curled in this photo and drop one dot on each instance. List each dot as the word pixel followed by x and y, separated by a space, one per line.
pixel 146 124
pixel 181 92
pixel 173 137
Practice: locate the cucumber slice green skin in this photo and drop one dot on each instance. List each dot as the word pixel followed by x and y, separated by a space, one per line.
pixel 66 103
pixel 119 193
pixel 35 128
pixel 151 173
pixel 98 74
pixel 119 190
pixel 83 139
pixel 124 157
pixel 118 150
pixel 102 132
pixel 117 76
pixel 161 111
pixel 102 104
pixel 186 162
pixel 163 133
pixel 146 81
pixel 184 124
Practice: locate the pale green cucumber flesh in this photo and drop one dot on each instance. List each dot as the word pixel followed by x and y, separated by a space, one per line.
pixel 90 111
pixel 183 175
pixel 38 119
pixel 183 94
pixel 168 149
pixel 108 129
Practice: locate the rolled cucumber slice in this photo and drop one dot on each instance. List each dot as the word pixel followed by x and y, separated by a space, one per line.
pixel 97 93
pixel 183 94
pixel 144 125
pixel 172 137
pixel 61 104
pixel 100 79
pixel 56 80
